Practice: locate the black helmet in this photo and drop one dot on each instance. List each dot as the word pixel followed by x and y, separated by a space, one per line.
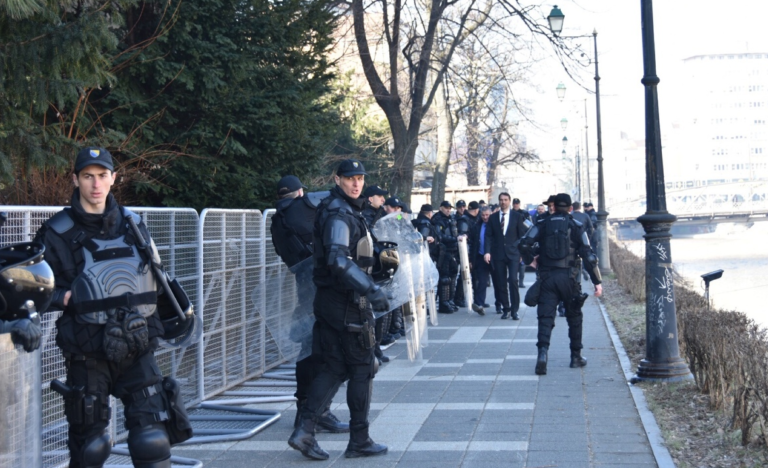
pixel 24 277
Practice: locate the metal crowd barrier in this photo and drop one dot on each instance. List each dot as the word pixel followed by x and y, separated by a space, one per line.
pixel 243 293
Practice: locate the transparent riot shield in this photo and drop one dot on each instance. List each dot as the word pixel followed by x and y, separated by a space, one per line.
pixel 20 406
pixel 291 326
pixel 412 281
pixel 466 276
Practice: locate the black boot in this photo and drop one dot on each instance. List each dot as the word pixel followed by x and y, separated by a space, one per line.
pixel 360 445
pixel 515 316
pixel 328 422
pixel 303 440
pixel 541 362
pixel 577 360
pixel 297 419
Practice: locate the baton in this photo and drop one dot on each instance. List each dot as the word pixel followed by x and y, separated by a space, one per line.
pixel 158 272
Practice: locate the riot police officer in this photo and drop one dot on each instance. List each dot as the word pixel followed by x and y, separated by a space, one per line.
pixel 291 229
pixel 110 329
pixel 428 231
pixel 344 303
pixel 561 240
pixel 374 209
pixel 464 224
pixel 447 262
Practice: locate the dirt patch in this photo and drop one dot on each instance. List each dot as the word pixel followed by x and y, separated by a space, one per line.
pixel 696 436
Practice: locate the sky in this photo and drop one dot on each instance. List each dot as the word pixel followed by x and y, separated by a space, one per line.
pixel 683 28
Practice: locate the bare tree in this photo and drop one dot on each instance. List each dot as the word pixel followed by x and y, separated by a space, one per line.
pixel 433 29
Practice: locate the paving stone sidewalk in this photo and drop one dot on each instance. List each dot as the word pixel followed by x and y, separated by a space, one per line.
pixel 474 401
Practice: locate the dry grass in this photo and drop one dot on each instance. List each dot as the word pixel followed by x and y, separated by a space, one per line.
pixel 720 420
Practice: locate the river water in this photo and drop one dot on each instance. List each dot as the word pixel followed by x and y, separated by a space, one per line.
pixel 743 255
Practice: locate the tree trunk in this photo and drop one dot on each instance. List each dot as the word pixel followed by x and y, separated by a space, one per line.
pixel 474 144
pixel 445 131
pixel 491 175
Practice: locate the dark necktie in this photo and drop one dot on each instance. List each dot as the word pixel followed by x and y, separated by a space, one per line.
pixel 502 224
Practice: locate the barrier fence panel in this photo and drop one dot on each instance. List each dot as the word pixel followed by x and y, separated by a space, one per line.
pixel 231 269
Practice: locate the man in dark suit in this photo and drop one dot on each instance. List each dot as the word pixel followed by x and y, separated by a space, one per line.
pixel 505 229
pixel 480 270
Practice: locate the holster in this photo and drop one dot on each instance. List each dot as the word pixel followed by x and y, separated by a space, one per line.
pixel 367 333
pixel 81 408
pixel 577 302
pixel 178 425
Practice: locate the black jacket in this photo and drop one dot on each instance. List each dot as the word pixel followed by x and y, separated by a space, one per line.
pixel 445 225
pixel 67 261
pixel 584 219
pixel 291 229
pixel 372 214
pixel 504 246
pixel 426 228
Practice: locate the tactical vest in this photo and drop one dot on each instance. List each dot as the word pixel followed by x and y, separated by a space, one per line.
pixel 555 247
pixel 114 276
pixel 360 241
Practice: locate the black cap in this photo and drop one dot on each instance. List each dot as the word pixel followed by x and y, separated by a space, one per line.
pixel 460 203
pixel 350 167
pixel 426 207
pixel 549 200
pixel 288 184
pixel 588 204
pixel 481 202
pixel 473 205
pixel 516 201
pixel 374 190
pixel 445 203
pixel 562 200
pixel 93 155
pixel 394 202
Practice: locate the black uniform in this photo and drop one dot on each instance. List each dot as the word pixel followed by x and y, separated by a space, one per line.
pixel 153 407
pixel 425 227
pixel 372 214
pixel 521 271
pixel 562 241
pixel 447 261
pixel 342 307
pixel 464 225
pixel 292 234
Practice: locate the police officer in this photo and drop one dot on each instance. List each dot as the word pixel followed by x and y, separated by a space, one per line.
pixel 428 231
pixel 447 262
pixel 109 330
pixel 561 240
pixel 291 230
pixel 346 295
pixel 396 328
pixel 375 197
pixel 464 224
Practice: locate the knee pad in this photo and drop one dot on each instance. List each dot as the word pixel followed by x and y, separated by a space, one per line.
pixel 375 367
pixel 149 446
pixel 95 451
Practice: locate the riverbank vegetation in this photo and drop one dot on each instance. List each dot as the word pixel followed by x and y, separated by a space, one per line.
pixel 721 418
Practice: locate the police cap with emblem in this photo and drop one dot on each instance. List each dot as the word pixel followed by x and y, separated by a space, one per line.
pixel 93 155
pixel 350 167
pixel 460 203
pixel 394 202
pixel 446 204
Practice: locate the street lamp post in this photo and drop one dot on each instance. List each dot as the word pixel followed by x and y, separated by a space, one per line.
pixel 662 357
pixel 603 255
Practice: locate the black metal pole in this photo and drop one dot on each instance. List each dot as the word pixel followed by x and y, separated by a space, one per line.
pixel 662 357
pixel 586 153
pixel 603 254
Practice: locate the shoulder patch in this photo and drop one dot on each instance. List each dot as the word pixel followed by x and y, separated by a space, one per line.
pixel 61 222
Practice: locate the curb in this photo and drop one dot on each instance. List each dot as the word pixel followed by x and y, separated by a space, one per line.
pixel 652 431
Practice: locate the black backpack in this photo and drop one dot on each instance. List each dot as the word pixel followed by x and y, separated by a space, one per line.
pixel 557 238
